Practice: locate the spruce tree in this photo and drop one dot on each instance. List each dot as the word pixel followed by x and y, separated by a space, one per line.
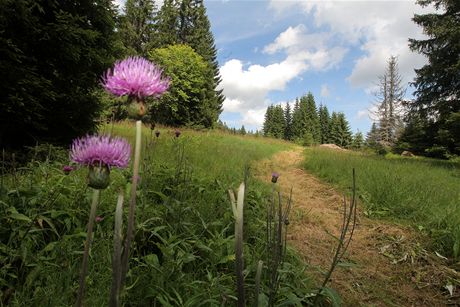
pixel 358 140
pixel 303 119
pixel 288 122
pixel 416 137
pixel 49 77
pixel 274 123
pixel 296 126
pixel 335 130
pixel 202 41
pixel 373 136
pixel 324 124
pixel 137 26
pixel 344 129
pixel 312 120
pixel 279 122
pixel 437 83
pixel 166 27
pixel 268 121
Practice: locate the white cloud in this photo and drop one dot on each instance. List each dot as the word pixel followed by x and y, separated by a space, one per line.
pixel 367 113
pixel 379 28
pixel 254 117
pixel 362 114
pixel 120 4
pixel 232 105
pixel 311 49
pixel 325 91
pixel 247 86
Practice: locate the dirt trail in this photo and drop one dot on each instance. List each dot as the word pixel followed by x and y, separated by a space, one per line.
pixel 387 267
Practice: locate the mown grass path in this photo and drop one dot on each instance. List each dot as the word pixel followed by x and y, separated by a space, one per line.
pixel 384 266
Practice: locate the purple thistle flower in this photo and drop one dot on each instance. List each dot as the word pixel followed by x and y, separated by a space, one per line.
pixel 99 219
pixel 135 77
pixel 94 150
pixel 157 133
pixel 67 169
pixel 275 177
pixel 177 133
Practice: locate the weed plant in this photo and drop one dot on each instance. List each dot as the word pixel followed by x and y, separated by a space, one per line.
pixel 422 192
pixel 183 250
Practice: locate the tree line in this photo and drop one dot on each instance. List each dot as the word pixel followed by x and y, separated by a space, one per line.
pixel 53 54
pixel 306 124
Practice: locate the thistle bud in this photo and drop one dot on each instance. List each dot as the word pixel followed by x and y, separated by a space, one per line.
pixel 99 176
pixel 67 169
pixel 136 110
pixel 275 177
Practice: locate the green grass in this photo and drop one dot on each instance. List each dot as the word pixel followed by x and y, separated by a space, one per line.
pixel 183 250
pixel 219 155
pixel 422 192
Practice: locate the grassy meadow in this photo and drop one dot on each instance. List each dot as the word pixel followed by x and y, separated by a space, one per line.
pixel 183 248
pixel 422 192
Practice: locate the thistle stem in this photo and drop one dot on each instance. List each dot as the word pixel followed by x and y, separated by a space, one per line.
pixel 258 276
pixel 116 261
pixel 239 246
pixel 84 265
pixel 132 203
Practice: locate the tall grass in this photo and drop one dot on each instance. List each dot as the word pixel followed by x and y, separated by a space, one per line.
pixel 183 247
pixel 422 192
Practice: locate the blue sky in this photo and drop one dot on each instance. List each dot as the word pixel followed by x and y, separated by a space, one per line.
pixel 273 51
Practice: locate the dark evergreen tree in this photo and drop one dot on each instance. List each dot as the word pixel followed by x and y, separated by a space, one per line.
pixel 268 121
pixel 358 140
pixel 243 130
pixel 335 132
pixel 438 83
pixel 53 54
pixel 279 122
pixel 305 119
pixel 137 26
pixel 345 132
pixel 416 137
pixel 274 124
pixel 288 122
pixel 166 27
pixel 373 136
pixel 312 120
pixel 201 40
pixel 340 130
pixel 324 124
pixel 296 126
